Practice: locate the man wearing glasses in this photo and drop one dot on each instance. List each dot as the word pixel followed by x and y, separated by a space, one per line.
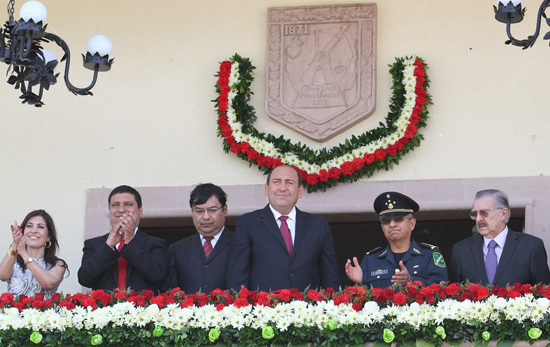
pixel 402 260
pixel 498 256
pixel 199 262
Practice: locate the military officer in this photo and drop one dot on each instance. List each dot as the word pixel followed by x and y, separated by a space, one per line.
pixel 402 260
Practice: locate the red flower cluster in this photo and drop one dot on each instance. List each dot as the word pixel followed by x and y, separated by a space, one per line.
pixel 347 168
pixel 357 296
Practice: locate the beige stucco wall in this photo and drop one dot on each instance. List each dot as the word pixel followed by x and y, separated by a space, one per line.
pixel 151 122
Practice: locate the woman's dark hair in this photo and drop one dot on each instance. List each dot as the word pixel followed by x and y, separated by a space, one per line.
pixel 49 252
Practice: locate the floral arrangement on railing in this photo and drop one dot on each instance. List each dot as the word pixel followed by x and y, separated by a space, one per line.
pixel 359 156
pixel 427 316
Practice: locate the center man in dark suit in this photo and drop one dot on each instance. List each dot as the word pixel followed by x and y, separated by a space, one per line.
pixel 281 247
pixel 199 262
pixel 498 256
pixel 125 256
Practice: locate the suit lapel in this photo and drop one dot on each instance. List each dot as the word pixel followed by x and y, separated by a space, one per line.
pixel 507 253
pixel 222 242
pixel 268 220
pixel 139 238
pixel 479 259
pixel 196 246
pixel 302 224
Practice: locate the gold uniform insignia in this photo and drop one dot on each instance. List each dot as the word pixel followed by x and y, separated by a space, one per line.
pixel 416 250
pixel 390 206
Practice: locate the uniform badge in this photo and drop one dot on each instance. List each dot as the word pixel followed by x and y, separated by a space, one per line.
pixel 438 259
pixel 416 250
pixel 379 272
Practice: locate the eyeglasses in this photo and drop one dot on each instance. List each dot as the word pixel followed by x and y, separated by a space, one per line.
pixel 483 213
pixel 211 210
pixel 387 221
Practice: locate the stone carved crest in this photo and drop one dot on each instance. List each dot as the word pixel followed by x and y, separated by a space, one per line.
pixel 320 77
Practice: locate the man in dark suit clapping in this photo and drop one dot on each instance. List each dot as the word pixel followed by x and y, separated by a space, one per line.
pixel 125 257
pixel 199 262
pixel 279 246
pixel 498 256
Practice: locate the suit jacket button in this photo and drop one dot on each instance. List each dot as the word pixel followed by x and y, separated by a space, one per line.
pixel 206 266
pixel 206 286
pixel 291 275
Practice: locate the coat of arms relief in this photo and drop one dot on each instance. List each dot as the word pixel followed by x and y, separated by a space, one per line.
pixel 321 67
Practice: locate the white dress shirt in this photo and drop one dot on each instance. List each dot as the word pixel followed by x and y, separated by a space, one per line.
pixel 291 221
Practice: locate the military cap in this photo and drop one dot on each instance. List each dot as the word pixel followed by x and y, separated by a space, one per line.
pixel 393 204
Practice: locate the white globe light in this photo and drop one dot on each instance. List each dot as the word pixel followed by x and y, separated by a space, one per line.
pixel 505 2
pixel 35 10
pixel 99 44
pixel 48 55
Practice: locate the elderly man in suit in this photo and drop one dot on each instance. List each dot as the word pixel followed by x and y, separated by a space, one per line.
pixel 125 257
pixel 279 246
pixel 199 262
pixel 498 256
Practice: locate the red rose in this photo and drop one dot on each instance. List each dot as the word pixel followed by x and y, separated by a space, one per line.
pixel 19 306
pixel 356 306
pixel 169 299
pixel 465 296
pixel 77 297
pixel 120 296
pixel 39 296
pixel 347 168
pixel 105 299
pixel 67 304
pixel 220 307
pixel 7 297
pixel 89 302
pixel 158 300
pixel 224 90
pixel 369 158
pixel 419 299
pixel 358 163
pixel 187 303
pixel 513 294
pixel 400 299
pixel 418 63
pixel 241 302
pixel 323 175
pixel 283 294
pixel 56 297
pixel 38 304
pixel 203 299
pixel 539 289
pixel 223 81
pixel 452 289
pixel 421 99
pixel 236 148
pixel 252 154
pixel 334 173
pixel 312 179
pixel 392 150
pixel 314 295
pixel 380 154
pixel 222 106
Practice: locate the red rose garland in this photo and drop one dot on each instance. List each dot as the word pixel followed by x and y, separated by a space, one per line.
pixel 381 147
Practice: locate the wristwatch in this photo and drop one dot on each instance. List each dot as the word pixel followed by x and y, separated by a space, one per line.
pixel 12 251
pixel 28 261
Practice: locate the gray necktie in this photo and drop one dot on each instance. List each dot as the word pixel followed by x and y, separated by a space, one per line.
pixel 491 262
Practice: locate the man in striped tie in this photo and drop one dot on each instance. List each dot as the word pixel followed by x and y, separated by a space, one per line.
pixel 199 262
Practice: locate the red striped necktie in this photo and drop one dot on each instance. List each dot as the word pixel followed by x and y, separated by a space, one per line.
pixel 286 234
pixel 207 246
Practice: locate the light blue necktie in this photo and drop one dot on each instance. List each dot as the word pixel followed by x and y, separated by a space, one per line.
pixel 491 262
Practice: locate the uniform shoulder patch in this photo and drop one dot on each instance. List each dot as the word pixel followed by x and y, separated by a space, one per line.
pixel 438 259
pixel 427 245
pixel 374 250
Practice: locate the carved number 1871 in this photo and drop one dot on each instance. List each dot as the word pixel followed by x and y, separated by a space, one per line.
pixel 298 29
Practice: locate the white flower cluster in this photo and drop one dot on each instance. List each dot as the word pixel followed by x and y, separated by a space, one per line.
pixel 268 149
pixel 297 314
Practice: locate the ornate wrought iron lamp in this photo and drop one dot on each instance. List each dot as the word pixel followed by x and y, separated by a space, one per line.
pixel 513 13
pixel 33 67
